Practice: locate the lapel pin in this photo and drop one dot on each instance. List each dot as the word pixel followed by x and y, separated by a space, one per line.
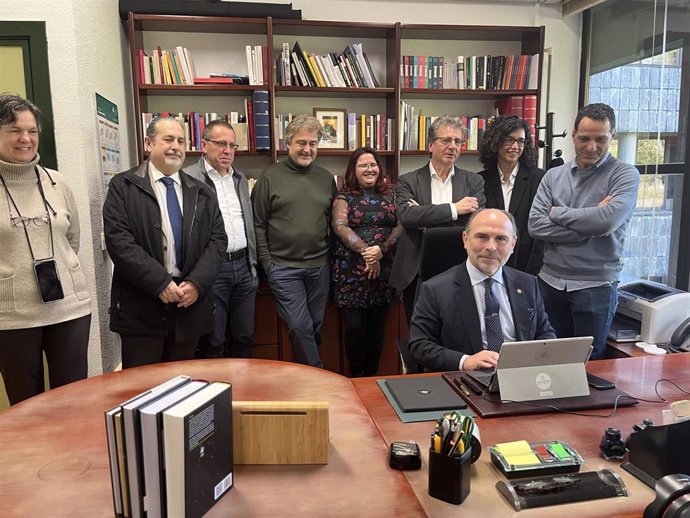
pixel 519 290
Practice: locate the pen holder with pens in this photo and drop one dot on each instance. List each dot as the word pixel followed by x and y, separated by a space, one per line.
pixel 449 477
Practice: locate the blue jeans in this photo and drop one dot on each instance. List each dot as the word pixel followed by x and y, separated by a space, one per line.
pixel 301 295
pixel 234 294
pixel 587 312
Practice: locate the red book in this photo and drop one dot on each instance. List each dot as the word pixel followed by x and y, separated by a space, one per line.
pixel 141 67
pixel 530 113
pixel 214 80
pixel 517 105
pixel 503 106
pixel 249 106
pixel 381 131
pixel 522 72
pixel 159 64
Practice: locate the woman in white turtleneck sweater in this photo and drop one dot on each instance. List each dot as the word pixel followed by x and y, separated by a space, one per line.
pixel 39 235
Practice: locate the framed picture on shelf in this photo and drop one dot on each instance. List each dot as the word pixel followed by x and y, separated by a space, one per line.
pixel 334 122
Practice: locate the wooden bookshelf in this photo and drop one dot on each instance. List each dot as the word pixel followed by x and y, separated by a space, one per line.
pixel 385 44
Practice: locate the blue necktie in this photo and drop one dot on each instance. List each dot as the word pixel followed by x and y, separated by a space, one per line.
pixel 492 317
pixel 175 217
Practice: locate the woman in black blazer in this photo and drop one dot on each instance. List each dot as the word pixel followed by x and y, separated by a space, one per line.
pixel 510 175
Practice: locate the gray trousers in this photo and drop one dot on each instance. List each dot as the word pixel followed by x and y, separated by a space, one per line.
pixel 302 294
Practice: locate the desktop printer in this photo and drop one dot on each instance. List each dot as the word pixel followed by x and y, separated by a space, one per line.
pixel 649 312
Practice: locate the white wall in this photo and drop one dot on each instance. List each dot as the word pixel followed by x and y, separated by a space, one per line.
pixel 88 53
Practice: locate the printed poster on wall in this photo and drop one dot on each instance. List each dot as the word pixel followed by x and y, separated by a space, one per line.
pixel 108 138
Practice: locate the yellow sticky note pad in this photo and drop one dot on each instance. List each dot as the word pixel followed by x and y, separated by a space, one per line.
pixel 517 453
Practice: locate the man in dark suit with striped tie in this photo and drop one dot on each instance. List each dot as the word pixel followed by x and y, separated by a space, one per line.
pixel 463 316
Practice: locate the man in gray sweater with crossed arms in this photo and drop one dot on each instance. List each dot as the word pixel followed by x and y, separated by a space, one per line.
pixel 581 211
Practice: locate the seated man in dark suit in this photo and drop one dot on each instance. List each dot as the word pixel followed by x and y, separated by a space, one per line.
pixel 463 316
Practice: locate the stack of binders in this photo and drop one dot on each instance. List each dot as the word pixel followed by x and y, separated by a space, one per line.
pixel 170 449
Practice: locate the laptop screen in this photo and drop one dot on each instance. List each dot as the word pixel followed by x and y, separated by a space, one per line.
pixel 540 369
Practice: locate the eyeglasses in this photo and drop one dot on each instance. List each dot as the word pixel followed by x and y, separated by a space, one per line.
pixel 447 141
pixel 306 143
pixel 223 144
pixel 509 141
pixel 23 221
pixel 364 167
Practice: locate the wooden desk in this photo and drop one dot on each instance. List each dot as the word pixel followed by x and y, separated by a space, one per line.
pixel 636 376
pixel 54 460
pixel 624 350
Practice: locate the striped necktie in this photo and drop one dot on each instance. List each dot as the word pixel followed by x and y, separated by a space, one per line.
pixel 175 217
pixel 492 317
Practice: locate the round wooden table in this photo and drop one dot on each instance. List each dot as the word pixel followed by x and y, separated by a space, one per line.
pixel 54 457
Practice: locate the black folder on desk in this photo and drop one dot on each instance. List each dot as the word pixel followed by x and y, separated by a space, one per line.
pixel 423 393
pixel 490 405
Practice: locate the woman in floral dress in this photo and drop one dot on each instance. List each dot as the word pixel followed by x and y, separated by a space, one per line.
pixel 367 228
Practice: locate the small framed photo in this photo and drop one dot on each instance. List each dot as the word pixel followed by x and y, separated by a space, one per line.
pixel 334 122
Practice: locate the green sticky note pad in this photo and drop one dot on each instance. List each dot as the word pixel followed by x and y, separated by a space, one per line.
pixel 560 452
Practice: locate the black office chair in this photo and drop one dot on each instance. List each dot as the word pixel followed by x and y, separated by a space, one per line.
pixel 442 248
pixel 408 365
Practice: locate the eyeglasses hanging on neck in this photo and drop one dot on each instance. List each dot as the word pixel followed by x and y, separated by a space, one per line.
pixel 46 270
pixel 23 221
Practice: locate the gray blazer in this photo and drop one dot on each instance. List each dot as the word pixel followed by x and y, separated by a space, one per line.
pixel 416 185
pixel 199 172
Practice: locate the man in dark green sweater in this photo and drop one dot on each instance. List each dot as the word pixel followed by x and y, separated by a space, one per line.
pixel 292 202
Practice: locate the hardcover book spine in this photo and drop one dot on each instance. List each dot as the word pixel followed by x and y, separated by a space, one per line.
pixel 262 120
pixel 530 114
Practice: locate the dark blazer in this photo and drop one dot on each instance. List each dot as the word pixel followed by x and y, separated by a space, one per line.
pixel 239 179
pixel 416 185
pixel 528 255
pixel 445 324
pixel 134 239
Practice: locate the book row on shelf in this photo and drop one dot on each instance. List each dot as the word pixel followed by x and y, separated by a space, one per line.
pixel 166 67
pixel 375 131
pixel 171 449
pixel 252 128
pixel 257 64
pixel 515 72
pixel 347 69
pixel 175 67
pixel 253 132
pixel 414 124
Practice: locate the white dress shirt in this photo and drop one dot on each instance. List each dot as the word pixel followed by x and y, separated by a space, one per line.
pixel 477 279
pixel 160 190
pixel 229 203
pixel 442 190
pixel 507 186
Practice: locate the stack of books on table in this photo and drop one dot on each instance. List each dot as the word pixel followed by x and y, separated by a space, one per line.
pixel 170 449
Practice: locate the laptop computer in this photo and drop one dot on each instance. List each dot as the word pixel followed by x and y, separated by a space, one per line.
pixel 424 394
pixel 539 369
